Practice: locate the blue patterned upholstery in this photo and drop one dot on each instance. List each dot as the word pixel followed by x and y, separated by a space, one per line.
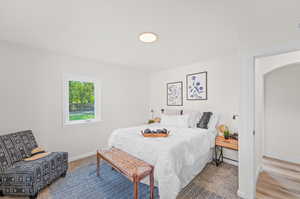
pixel 27 178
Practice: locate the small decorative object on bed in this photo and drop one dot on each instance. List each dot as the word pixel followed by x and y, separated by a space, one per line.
pixel 155 133
pixel 174 94
pixel 196 86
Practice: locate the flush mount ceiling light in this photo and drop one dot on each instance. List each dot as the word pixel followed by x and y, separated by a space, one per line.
pixel 148 37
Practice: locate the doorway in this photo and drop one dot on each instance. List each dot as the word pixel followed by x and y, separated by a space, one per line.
pixel 277 114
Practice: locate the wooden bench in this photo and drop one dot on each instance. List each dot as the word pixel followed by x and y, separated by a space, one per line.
pixel 131 167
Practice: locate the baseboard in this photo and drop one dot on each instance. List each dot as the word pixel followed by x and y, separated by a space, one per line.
pixel 231 162
pixel 82 156
pixel 241 194
pixel 281 158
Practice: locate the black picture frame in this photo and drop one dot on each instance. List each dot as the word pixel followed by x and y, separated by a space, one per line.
pixel 181 90
pixel 187 85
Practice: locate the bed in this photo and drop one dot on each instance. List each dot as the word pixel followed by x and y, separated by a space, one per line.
pixel 177 158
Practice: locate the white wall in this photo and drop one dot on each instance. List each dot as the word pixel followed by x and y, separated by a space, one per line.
pixel 282 113
pixel 31 97
pixel 263 66
pixel 223 89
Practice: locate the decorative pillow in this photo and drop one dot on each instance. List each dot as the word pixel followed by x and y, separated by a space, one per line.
pixel 205 118
pixel 37 156
pixel 175 120
pixel 37 150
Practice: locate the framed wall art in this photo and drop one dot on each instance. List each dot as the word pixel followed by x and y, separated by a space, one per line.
pixel 175 94
pixel 196 86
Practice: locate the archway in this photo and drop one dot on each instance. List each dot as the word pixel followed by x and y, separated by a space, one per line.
pixel 264 66
pixel 276 111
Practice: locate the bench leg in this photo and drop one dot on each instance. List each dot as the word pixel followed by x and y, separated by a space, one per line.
pixel 136 189
pixel 152 185
pixel 98 164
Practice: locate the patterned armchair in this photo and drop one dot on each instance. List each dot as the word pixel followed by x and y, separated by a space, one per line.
pixel 27 178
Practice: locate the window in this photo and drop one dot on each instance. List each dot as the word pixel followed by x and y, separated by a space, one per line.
pixel 80 101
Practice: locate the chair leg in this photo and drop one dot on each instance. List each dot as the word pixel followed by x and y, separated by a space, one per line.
pixel 64 174
pixel 34 196
pixel 152 185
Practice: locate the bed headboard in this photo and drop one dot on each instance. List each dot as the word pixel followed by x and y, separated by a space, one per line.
pixel 172 111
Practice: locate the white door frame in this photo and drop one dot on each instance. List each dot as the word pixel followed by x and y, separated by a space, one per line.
pixel 247 164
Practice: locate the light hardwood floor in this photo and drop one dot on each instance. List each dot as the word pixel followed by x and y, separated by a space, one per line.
pixel 278 180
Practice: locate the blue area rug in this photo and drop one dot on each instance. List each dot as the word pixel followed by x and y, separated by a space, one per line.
pixel 84 183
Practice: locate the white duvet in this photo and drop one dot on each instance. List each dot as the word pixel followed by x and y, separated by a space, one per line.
pixel 170 156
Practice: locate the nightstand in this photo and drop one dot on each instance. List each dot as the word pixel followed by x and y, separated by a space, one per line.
pixel 221 143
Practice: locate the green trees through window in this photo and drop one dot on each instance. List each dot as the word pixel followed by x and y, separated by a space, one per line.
pixel 81 100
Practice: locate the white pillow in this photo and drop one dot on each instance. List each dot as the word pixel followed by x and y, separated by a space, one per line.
pixel 213 122
pixel 194 117
pixel 175 120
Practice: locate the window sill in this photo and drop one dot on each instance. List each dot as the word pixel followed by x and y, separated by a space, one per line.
pixel 81 122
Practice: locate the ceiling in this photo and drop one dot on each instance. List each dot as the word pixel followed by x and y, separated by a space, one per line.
pixel 189 31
